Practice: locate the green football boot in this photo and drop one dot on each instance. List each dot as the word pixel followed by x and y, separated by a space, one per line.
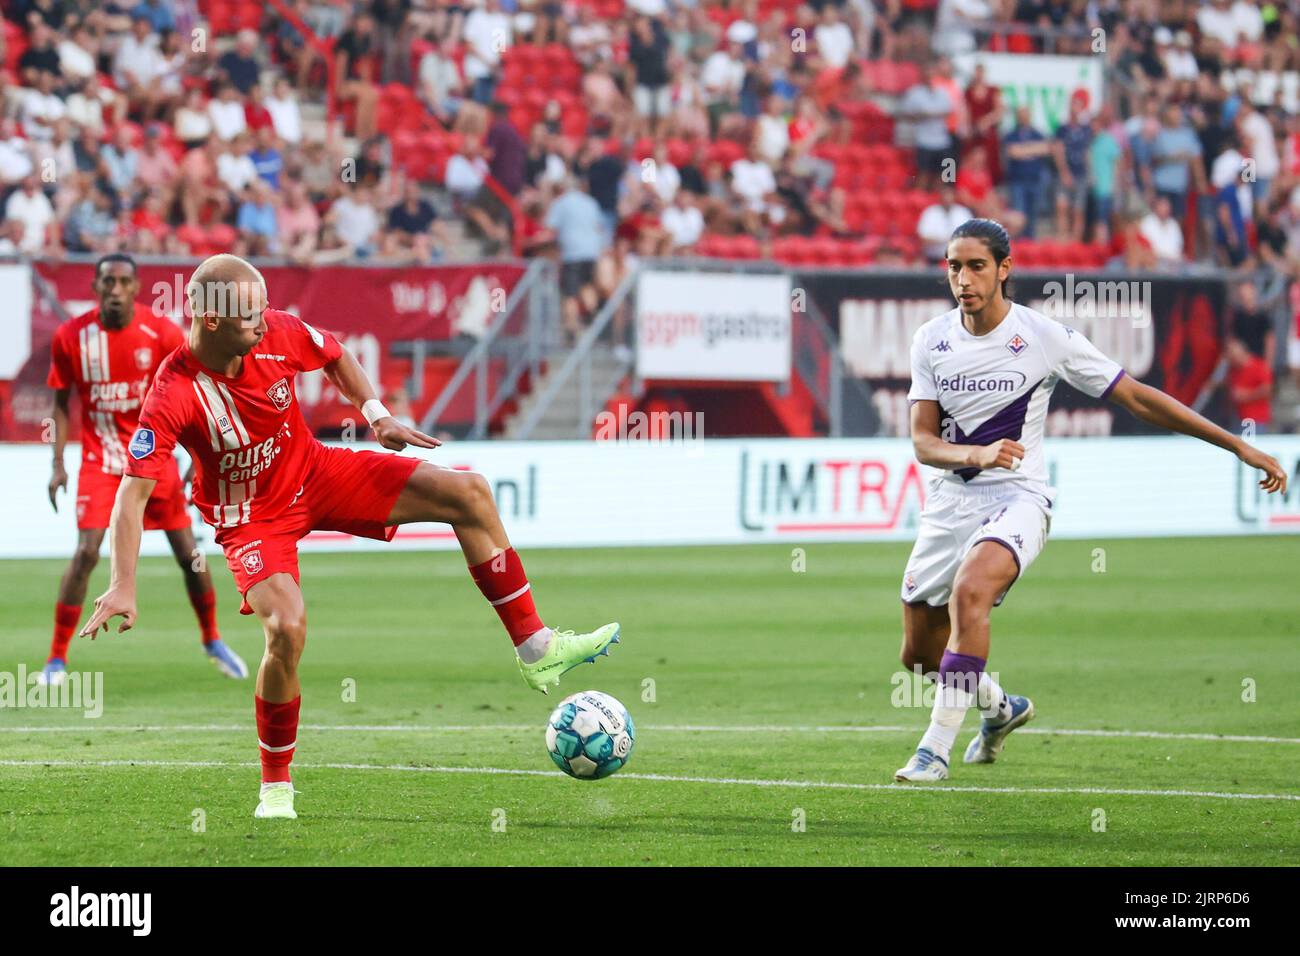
pixel 566 652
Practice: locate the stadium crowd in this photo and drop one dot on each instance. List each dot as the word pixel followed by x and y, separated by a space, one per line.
pixel 594 131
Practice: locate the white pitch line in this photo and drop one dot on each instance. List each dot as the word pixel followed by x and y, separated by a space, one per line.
pixel 668 778
pixel 658 728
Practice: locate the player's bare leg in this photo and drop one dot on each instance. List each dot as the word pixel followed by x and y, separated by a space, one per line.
pixel 464 500
pixel 925 635
pixel 198 585
pixel 71 596
pixel 985 574
pixel 277 602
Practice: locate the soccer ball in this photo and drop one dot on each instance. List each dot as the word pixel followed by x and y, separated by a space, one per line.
pixel 590 735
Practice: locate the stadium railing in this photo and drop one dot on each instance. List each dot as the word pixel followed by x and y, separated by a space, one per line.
pixel 523 337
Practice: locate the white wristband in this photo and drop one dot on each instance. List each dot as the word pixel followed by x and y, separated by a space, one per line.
pixel 374 410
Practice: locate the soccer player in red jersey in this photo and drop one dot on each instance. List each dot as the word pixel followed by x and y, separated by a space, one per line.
pixel 263 481
pixel 109 355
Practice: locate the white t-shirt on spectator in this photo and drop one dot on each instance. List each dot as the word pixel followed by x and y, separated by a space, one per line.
pixel 356 222
pixel 235 171
pixel 1166 237
pixel 666 181
pixel 936 224
pixel 721 76
pixel 286 117
pixel 834 43
pixel 228 119
pixel 1226 170
pixel 684 224
pixel 138 61
pixel 752 181
pixel 1261 145
pixel 1181 64
pixel 487 34
pixel 1249 20
pixel 35 213
pixel 1222 25
pixel 15 162
pixel 464 176
pixel 76 62
pixel 773 137
pixel 37 105
pixel 192 125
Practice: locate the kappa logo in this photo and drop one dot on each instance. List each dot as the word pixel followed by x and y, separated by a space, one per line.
pixel 252 561
pixel 943 346
pixel 144 358
pixel 142 443
pixel 280 395
pixel 1020 542
pixel 1017 345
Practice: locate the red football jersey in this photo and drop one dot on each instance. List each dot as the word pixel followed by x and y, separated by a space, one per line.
pixel 250 444
pixel 111 370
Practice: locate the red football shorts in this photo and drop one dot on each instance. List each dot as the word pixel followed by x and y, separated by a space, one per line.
pixel 349 491
pixel 96 491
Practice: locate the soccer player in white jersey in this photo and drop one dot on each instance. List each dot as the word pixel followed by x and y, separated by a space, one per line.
pixel 982 376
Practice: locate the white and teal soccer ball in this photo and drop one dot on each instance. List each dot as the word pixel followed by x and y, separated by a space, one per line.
pixel 590 735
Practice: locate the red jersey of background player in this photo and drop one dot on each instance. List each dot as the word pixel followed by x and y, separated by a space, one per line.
pixel 111 370
pixel 250 443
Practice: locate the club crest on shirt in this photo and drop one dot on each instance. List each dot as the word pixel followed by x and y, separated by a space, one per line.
pixel 144 358
pixel 1017 345
pixel 142 443
pixel 252 561
pixel 909 582
pixel 280 395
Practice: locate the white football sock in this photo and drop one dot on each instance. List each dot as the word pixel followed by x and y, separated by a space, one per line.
pixel 993 701
pixel 950 706
pixel 534 648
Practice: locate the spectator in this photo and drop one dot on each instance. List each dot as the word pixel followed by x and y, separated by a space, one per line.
pixel 411 228
pixel 648 55
pixel 1027 154
pixel 442 82
pixel 1164 233
pixel 465 170
pixel 121 161
pixel 235 166
pixel 354 217
pixel 579 226
pixel 227 113
pixel 955 22
pixel 1252 326
pixel 357 62
pixel 1176 161
pixel 487 35
pixel 256 221
pixel 938 222
pixel 927 107
pixel 92 224
pixel 297 223
pixel 1231 202
pixel 138 63
pixel 286 116
pixel 15 159
pixel 41 109
pixel 1260 145
pixel 41 55
pixel 506 150
pixel 1073 139
pixel 193 122
pixel 239 66
pixel 267 159
pixel 833 38
pixel 682 221
pixel 1105 156
pixel 1250 386
pixel 754 184
pixel 31 208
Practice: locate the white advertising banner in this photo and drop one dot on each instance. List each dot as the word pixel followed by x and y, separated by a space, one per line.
pixel 727 491
pixel 1043 83
pixel 721 327
pixel 16 329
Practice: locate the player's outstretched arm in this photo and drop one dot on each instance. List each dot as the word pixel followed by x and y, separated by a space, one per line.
pixel 1165 411
pixel 124 530
pixel 931 448
pixel 353 384
pixel 59 476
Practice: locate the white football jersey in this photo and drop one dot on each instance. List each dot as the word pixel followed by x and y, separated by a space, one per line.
pixel 998 385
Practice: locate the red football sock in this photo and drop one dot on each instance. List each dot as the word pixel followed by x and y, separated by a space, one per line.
pixel 277 735
pixel 205 609
pixel 66 617
pixel 504 584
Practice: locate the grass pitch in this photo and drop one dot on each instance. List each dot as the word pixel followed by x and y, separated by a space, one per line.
pixel 764 699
